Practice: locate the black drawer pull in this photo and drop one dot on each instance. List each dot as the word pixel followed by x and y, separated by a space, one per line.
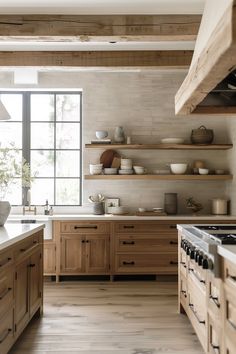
pixel 31 265
pixel 232 277
pixel 5 292
pixel 184 293
pixel 183 264
pixel 129 263
pixel 6 261
pixel 172 226
pixel 173 243
pixel 5 335
pixel 87 241
pixel 196 276
pixel 128 243
pixel 173 262
pixel 215 347
pixel 83 241
pixel 85 227
pixel 196 315
pixel 128 226
pixel 215 300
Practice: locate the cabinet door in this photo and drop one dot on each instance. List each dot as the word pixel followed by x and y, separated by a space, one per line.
pixel 97 254
pixel 21 295
pixel 72 254
pixel 49 258
pixel 35 281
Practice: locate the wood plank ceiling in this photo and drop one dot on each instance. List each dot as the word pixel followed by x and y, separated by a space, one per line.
pixel 97 29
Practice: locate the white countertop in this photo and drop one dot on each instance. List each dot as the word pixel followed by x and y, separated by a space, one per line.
pixel 109 217
pixel 228 252
pixel 12 233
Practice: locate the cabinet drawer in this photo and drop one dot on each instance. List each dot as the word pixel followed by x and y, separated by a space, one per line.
pixel 230 274
pixel 214 337
pixel 6 332
pixel 6 259
pixel 214 296
pixel 147 263
pixel 84 227
pixel 26 247
pixel 230 314
pixel 183 290
pixel 197 275
pixel 142 243
pixel 183 262
pixel 144 227
pixel 6 289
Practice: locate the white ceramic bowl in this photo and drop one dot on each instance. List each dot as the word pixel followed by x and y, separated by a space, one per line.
pixel 95 169
pixel 203 171
pixel 118 210
pixel 126 172
pixel 110 171
pixel 178 168
pixel 101 134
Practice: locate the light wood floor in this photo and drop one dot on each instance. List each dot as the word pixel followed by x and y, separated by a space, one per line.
pixel 110 318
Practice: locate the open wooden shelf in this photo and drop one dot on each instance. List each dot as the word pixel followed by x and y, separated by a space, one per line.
pixel 162 177
pixel 160 146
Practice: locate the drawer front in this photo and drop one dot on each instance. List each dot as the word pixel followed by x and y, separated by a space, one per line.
pixel 230 314
pixel 214 295
pixel 230 274
pixel 26 247
pixel 6 289
pixel 145 228
pixel 183 290
pixel 142 243
pixel 85 227
pixel 183 262
pixel 197 275
pixel 6 332
pixel 214 337
pixel 147 263
pixel 6 260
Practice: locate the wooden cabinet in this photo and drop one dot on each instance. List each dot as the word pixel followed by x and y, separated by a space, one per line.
pixel 21 287
pixel 84 248
pixel 49 258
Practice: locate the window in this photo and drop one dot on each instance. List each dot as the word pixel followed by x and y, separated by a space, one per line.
pixel 46 127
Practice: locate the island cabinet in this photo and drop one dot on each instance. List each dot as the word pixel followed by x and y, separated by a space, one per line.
pixel 82 248
pixel 21 287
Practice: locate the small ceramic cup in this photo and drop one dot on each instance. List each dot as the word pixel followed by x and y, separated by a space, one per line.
pixel 140 170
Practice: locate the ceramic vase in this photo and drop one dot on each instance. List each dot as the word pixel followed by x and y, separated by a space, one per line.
pixel 171 203
pixel 119 135
pixel 5 209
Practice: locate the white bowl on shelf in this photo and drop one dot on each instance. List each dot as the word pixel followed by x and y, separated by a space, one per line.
pixel 110 171
pixel 95 169
pixel 178 168
pixel 203 171
pixel 101 134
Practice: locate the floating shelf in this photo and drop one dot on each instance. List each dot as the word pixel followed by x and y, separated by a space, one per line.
pixel 160 146
pixel 162 177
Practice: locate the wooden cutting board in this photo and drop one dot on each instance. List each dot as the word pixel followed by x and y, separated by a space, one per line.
pixel 116 162
pixel 107 157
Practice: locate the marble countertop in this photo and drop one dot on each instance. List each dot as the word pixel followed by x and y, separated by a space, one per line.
pixel 12 233
pixel 109 217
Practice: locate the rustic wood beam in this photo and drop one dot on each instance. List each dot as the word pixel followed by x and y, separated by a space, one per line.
pixel 97 59
pixel 103 28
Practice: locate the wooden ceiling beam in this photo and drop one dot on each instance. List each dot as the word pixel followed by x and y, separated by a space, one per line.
pixel 99 28
pixel 97 59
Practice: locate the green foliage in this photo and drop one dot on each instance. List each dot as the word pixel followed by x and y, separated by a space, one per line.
pixel 12 167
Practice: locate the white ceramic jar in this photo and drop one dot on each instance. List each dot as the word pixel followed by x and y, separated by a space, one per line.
pixel 219 206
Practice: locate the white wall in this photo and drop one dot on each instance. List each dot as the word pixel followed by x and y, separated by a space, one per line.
pixel 143 103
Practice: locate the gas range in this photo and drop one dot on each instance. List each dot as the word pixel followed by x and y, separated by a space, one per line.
pixel 200 243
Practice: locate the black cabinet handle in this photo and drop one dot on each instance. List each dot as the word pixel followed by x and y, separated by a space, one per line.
pixel 196 276
pixel 4 263
pixel 215 300
pixel 183 264
pixel 31 265
pixel 196 315
pixel 87 241
pixel 172 226
pixel 5 335
pixel 128 226
pixel 83 241
pixel 128 243
pixel 86 227
pixel 129 263
pixel 215 347
pixel 173 243
pixel 5 292
pixel 173 262
pixel 184 292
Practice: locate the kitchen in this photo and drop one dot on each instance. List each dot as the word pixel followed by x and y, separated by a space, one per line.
pixel 112 279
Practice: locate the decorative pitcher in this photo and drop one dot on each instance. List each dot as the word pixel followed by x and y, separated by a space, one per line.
pixel 119 135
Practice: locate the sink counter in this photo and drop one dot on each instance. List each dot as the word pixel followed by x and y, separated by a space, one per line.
pixel 12 233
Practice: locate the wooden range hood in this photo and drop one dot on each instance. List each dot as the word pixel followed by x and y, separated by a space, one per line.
pixel 205 90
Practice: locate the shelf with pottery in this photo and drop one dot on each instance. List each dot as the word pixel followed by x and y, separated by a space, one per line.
pixel 160 146
pixel 161 177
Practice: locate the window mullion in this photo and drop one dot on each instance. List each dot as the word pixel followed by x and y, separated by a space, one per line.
pixel 26 136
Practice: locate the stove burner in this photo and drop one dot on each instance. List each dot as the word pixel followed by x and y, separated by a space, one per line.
pixel 224 239
pixel 216 227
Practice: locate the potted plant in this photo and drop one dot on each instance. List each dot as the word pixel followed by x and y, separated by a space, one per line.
pixel 12 166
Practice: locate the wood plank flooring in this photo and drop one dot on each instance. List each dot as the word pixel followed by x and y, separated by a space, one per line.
pixel 110 318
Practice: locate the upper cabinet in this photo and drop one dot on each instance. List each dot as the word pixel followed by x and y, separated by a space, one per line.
pixel 210 85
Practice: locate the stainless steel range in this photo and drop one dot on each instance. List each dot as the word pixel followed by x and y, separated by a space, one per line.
pixel 200 243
